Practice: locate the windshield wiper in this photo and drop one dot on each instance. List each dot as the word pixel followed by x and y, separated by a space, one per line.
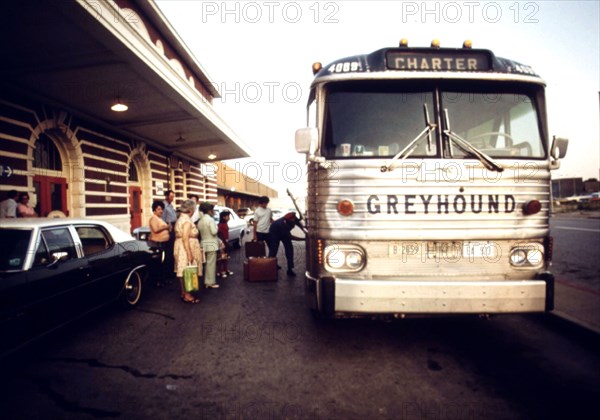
pixel 468 148
pixel 405 153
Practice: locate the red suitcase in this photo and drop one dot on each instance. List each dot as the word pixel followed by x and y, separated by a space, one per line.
pixel 255 249
pixel 260 269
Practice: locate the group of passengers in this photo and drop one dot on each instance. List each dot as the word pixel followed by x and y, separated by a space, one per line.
pixel 193 238
pixel 190 239
pixel 16 205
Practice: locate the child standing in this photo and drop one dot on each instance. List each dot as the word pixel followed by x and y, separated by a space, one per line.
pixel 223 234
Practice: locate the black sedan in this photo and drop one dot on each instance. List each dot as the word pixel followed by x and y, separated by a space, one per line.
pixel 55 270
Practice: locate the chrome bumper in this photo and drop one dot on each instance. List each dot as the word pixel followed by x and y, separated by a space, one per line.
pixel 430 297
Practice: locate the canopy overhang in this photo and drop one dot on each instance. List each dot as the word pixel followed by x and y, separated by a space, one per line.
pixel 83 55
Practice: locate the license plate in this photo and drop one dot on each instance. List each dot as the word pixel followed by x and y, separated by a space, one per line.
pixel 399 249
pixel 425 249
pixel 444 249
pixel 473 249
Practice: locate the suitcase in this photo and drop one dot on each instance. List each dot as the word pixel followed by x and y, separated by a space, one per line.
pixel 260 269
pixel 255 249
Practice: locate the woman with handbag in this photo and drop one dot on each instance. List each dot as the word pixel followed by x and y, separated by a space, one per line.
pixel 187 248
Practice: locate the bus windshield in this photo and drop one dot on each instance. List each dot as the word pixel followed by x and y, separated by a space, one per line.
pixel 379 119
pixel 497 124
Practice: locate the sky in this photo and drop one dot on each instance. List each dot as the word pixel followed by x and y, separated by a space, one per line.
pixel 259 55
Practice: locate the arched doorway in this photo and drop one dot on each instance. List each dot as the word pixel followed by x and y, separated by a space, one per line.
pixel 135 196
pixel 139 187
pixel 48 181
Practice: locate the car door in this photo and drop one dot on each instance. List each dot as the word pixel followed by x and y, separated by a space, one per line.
pixel 107 263
pixel 14 294
pixel 56 288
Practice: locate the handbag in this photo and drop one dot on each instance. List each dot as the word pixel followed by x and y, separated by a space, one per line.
pixel 190 279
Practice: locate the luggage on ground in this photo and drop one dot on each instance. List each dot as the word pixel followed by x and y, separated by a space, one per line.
pixel 255 249
pixel 260 269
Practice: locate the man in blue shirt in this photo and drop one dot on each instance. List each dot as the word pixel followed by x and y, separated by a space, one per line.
pixel 170 217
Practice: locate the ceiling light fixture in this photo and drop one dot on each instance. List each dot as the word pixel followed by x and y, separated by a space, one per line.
pixel 119 106
pixel 179 139
pixel 212 156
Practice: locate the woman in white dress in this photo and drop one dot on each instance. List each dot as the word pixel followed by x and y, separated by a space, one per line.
pixel 187 250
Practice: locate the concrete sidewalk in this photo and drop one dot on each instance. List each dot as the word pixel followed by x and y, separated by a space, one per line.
pixel 573 302
pixel 577 304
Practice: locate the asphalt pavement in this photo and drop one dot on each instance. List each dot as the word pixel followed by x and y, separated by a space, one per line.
pixel 252 350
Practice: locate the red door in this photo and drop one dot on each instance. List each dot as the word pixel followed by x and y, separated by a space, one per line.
pixel 51 193
pixel 135 206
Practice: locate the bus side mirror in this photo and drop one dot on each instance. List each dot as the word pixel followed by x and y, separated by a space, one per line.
pixel 559 147
pixel 558 151
pixel 306 140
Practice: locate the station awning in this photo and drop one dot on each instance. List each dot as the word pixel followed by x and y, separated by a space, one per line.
pixel 82 56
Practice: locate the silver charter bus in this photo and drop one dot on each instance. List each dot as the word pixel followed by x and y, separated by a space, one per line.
pixel 428 185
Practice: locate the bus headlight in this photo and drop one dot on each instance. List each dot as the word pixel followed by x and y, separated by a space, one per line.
pixel 518 257
pixel 340 258
pixel 335 258
pixel 354 260
pixel 527 255
pixel 534 256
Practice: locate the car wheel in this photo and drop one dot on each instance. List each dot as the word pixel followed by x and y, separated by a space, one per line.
pixel 133 289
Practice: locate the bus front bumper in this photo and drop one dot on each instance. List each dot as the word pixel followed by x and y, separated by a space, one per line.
pixel 335 295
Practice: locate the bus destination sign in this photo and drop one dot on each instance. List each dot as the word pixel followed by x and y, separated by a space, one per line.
pixel 439 60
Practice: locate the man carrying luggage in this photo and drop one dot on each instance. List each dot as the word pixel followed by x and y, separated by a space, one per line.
pixel 281 231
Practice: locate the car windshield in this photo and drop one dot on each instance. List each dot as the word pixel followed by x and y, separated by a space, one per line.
pixel 13 248
pixel 382 118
